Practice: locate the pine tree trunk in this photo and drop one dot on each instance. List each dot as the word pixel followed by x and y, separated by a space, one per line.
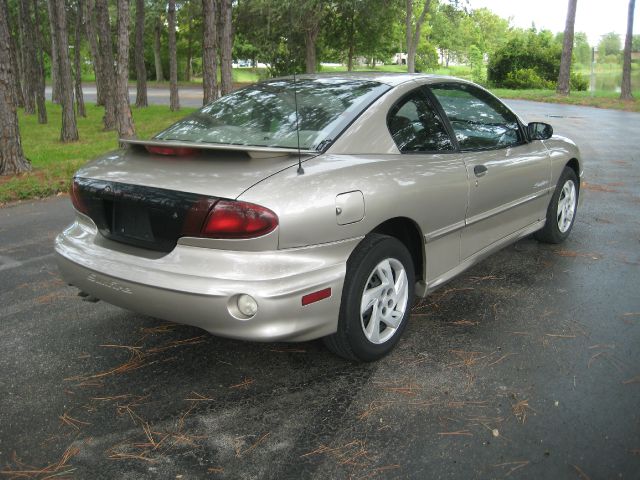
pixel 90 24
pixel 76 63
pixel 141 69
pixel 123 110
pixel 209 51
pixel 174 100
pixel 625 89
pixel 310 38
pixel 564 78
pixel 15 67
pixel 69 131
pixel 12 159
pixel 40 83
pixel 157 53
pixel 29 60
pixel 106 52
pixel 55 83
pixel 226 47
pixel 187 70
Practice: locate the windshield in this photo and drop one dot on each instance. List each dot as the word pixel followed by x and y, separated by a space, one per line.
pixel 265 114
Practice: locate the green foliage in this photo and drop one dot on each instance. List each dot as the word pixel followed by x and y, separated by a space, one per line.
pixel 478 70
pixel 426 57
pixel 609 45
pixel 528 58
pixel 363 28
pixel 578 82
pixel 526 78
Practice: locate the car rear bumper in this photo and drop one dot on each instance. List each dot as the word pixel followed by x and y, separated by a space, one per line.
pixel 197 286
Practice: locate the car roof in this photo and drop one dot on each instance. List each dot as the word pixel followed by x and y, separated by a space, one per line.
pixel 388 78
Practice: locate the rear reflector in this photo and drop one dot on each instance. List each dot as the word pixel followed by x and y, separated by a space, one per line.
pixel 316 296
pixel 175 151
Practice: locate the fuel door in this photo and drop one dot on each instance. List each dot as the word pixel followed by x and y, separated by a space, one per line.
pixel 349 207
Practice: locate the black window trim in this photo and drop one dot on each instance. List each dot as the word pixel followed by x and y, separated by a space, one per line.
pixel 521 130
pixel 438 110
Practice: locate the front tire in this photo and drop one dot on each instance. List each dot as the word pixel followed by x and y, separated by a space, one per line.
pixel 561 213
pixel 376 301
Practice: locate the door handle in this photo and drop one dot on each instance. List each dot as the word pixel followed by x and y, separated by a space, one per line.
pixel 480 170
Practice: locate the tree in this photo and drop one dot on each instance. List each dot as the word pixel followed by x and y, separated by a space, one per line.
pixel 76 62
pixel 226 46
pixel 309 15
pixel 157 48
pixel 92 37
pixel 174 100
pixel 209 51
pixel 581 49
pixel 105 51
pixel 141 69
pixel 15 60
pixel 567 50
pixel 609 45
pixel 123 110
pixel 363 27
pixel 69 131
pixel 55 82
pixel 413 27
pixel 625 90
pixel 12 159
pixel 29 59
pixel 41 103
pixel 529 59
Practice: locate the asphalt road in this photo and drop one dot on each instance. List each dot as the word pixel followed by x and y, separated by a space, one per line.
pixel 526 366
pixel 189 96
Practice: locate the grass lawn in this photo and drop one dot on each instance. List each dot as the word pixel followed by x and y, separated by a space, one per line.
pixel 600 99
pixel 54 162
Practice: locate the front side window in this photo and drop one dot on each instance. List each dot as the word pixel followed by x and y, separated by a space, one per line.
pixel 416 127
pixel 265 114
pixel 479 121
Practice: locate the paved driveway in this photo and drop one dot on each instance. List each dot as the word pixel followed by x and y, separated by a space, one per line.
pixel 526 366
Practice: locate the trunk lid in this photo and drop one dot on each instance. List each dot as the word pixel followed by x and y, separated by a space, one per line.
pixel 219 172
pixel 151 200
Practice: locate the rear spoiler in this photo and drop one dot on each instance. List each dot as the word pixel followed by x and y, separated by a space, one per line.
pixel 252 151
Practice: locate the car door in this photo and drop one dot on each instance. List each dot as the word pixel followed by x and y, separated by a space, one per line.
pixel 508 175
pixel 438 177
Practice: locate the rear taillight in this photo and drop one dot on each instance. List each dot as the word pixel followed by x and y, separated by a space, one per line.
pixel 76 198
pixel 233 219
pixel 175 151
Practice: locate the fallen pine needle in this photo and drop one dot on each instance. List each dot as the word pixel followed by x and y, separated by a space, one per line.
pixel 501 358
pixel 581 474
pixel 240 452
pixel 459 432
pixel 635 379
pixel 244 384
pixel 558 335
pixel 72 422
pixel 518 465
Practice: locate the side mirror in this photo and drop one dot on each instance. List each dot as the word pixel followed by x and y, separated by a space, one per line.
pixel 540 131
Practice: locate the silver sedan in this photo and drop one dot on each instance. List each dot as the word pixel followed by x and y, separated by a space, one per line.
pixel 317 206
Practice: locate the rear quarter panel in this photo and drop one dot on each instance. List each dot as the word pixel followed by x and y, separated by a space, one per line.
pixel 392 186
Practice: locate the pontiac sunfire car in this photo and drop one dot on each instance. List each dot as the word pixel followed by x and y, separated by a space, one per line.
pixel 319 207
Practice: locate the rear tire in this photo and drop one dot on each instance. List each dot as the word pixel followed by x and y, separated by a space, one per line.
pixel 561 212
pixel 376 301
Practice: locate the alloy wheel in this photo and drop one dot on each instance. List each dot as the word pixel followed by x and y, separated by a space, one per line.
pixel 384 301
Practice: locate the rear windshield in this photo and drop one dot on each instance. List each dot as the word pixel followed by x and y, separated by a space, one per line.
pixel 265 114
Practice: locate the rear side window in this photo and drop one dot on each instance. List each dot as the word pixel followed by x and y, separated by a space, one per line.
pixel 416 127
pixel 479 121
